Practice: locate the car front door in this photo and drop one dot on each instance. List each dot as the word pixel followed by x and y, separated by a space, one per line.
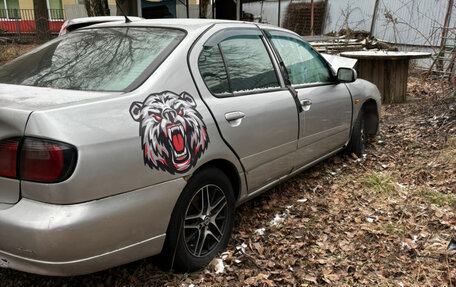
pixel 327 106
pixel 255 113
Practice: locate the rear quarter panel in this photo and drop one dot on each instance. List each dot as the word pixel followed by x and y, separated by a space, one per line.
pixel 110 154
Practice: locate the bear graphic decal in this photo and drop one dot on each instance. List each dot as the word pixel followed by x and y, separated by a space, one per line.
pixel 173 133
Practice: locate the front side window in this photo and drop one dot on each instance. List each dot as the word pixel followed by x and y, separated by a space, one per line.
pixel 105 59
pixel 248 63
pixel 304 65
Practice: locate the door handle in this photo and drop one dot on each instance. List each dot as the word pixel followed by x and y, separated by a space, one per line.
pixel 232 116
pixel 305 104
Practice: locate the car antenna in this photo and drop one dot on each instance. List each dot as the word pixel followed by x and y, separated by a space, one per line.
pixel 121 10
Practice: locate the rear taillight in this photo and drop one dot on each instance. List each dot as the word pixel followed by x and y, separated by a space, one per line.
pixel 39 160
pixel 8 157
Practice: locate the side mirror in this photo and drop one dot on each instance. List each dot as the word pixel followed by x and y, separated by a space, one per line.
pixel 346 75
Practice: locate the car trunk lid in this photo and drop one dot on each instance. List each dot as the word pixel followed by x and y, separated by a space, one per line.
pixel 37 98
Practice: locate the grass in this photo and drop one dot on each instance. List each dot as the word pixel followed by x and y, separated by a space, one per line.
pixel 381 183
pixel 393 229
pixel 440 199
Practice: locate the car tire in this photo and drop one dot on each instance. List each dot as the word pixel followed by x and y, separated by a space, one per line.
pixel 357 143
pixel 201 222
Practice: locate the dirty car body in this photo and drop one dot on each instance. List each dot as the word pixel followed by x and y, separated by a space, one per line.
pixel 121 141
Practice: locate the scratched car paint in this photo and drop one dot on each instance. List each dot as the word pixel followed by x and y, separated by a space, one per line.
pixel 120 141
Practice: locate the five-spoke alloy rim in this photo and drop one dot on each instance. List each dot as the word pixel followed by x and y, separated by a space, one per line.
pixel 205 220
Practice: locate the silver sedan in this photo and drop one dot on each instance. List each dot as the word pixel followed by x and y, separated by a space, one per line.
pixel 121 141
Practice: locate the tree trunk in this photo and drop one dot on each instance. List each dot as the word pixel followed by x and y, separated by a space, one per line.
pixel 203 8
pixel 97 8
pixel 43 33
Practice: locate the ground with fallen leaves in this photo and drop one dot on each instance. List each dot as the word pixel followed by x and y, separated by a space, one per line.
pixel 381 220
pixel 11 51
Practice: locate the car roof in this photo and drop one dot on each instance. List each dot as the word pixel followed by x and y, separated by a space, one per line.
pixel 100 19
pixel 184 23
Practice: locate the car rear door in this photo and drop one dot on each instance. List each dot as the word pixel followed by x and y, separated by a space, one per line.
pixel 256 114
pixel 325 119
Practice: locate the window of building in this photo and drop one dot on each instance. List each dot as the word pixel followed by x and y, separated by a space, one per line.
pixel 9 9
pixel 55 9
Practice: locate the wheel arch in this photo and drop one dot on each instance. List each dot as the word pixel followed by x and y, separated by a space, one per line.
pixel 370 112
pixel 229 169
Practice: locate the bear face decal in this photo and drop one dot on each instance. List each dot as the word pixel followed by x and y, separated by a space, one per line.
pixel 173 133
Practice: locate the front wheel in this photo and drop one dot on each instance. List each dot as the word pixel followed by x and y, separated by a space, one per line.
pixel 357 143
pixel 201 222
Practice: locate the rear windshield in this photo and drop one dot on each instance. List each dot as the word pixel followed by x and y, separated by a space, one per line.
pixel 107 59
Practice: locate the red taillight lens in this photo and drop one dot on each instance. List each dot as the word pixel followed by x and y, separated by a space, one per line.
pixel 8 157
pixel 46 161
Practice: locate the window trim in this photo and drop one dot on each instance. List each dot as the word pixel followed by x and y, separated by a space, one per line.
pixel 269 33
pixel 222 35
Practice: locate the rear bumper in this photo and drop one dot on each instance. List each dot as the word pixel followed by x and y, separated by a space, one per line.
pixel 82 238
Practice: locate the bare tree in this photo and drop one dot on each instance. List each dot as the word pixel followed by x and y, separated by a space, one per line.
pixel 97 7
pixel 41 20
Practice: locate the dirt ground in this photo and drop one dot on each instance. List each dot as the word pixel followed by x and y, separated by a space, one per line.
pixel 11 51
pixel 381 220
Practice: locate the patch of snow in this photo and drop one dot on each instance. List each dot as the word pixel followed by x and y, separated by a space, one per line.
pixel 260 231
pixel 400 185
pixel 404 244
pixel 219 266
pixel 277 219
pixel 415 237
pixel 242 247
pixel 370 219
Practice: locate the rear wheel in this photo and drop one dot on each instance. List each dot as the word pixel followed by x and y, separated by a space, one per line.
pixel 201 222
pixel 357 143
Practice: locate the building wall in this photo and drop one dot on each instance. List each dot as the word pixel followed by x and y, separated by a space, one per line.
pixel 26 4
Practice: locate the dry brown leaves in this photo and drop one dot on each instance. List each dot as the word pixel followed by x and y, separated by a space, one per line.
pixel 10 51
pixel 383 220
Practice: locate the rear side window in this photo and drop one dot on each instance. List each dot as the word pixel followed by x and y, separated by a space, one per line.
pixel 304 65
pixel 104 59
pixel 237 64
pixel 213 70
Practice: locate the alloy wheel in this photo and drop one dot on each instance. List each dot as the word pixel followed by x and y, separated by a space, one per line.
pixel 205 220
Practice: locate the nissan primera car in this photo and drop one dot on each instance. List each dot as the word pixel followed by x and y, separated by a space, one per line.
pixel 121 141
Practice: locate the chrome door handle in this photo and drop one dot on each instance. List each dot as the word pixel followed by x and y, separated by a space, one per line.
pixel 305 104
pixel 232 116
